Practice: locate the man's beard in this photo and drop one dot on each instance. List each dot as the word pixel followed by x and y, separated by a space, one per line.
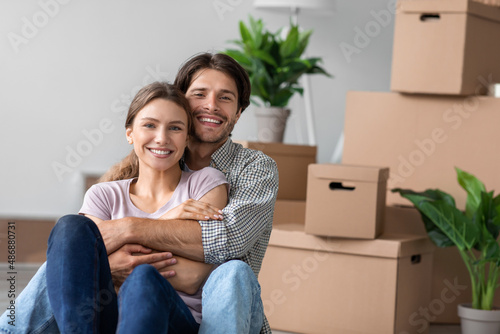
pixel 214 138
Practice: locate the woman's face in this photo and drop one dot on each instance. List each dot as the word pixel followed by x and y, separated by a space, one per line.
pixel 159 134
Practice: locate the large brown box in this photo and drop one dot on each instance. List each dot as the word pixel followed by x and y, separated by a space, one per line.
pixel 445 47
pixel 422 138
pixel 345 200
pixel 292 161
pixel 30 237
pixel 450 278
pixel 289 211
pixel 313 284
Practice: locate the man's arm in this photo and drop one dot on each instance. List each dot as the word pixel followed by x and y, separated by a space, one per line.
pixel 248 215
pixel 179 236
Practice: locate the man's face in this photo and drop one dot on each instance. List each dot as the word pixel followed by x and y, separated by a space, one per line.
pixel 213 98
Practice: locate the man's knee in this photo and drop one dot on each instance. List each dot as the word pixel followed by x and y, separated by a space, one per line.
pixel 234 273
pixel 234 268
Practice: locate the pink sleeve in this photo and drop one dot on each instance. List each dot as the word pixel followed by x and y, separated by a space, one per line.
pixel 204 180
pixel 95 204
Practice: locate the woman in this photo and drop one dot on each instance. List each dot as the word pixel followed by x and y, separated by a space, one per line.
pixel 79 280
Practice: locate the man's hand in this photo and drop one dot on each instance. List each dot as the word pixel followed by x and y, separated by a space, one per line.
pixel 113 232
pixel 125 259
pixel 194 210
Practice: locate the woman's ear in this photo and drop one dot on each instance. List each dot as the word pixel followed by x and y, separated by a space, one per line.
pixel 128 133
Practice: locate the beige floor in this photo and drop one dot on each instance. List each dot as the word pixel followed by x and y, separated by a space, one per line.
pixel 434 329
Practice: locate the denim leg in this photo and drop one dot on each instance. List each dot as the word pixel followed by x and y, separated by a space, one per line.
pixel 149 304
pixel 231 300
pixel 79 283
pixel 33 314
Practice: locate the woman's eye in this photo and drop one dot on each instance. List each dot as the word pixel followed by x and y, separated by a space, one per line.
pixel 149 125
pixel 175 128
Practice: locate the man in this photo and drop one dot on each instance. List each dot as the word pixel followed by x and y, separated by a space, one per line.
pixel 218 90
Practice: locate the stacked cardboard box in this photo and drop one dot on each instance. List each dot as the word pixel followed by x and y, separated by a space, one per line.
pixel 445 58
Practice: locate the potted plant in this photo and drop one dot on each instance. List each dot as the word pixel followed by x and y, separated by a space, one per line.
pixel 274 65
pixel 474 232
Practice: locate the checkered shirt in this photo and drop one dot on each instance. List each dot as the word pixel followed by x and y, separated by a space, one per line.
pixel 245 230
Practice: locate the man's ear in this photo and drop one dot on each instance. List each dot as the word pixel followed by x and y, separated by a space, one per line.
pixel 238 114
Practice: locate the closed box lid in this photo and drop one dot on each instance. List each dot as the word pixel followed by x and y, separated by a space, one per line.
pixel 450 6
pixel 386 246
pixel 345 172
pixel 280 148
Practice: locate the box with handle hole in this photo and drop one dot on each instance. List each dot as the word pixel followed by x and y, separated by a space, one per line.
pixel 345 200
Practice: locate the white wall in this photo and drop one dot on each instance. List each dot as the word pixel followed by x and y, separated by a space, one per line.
pixel 70 67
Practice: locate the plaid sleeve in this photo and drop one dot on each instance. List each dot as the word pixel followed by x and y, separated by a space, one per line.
pixel 248 215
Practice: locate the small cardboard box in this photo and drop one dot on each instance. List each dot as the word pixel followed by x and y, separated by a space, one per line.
pixel 445 47
pixel 313 284
pixel 423 138
pixel 345 200
pixel 292 161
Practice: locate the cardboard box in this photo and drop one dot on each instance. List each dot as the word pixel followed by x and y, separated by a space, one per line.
pixel 30 237
pixel 445 47
pixel 292 161
pixel 422 138
pixel 450 278
pixel 345 200
pixel 288 211
pixel 314 284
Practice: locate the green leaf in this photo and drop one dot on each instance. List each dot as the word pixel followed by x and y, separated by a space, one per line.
pixel 452 222
pixel 245 34
pixel 444 223
pixel 303 41
pixel 265 56
pixel 289 46
pixel 474 187
pixel 487 217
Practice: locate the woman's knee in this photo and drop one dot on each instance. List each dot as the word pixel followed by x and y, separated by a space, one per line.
pixel 147 279
pixel 73 226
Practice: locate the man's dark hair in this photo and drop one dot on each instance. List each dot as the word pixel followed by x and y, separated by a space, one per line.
pixel 220 62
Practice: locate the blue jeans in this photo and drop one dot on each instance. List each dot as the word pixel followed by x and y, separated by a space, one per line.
pixel 231 303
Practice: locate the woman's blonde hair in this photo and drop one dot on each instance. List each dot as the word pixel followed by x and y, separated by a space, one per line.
pixel 129 167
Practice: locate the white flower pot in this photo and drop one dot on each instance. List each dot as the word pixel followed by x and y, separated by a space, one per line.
pixel 271 123
pixel 474 321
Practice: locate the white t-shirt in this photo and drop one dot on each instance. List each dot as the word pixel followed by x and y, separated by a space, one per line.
pixel 111 200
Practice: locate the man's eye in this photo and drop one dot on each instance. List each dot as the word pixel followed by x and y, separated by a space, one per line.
pixel 226 98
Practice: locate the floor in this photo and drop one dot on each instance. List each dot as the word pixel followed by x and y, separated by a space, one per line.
pixel 24 272
pixel 434 329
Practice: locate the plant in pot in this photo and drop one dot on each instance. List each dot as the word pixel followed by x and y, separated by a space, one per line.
pixel 274 64
pixel 474 232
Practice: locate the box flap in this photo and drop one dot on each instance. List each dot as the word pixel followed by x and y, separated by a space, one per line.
pixel 387 246
pixel 345 172
pixel 280 148
pixel 450 6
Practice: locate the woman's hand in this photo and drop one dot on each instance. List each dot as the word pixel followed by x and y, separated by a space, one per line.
pixel 189 275
pixel 125 259
pixel 194 210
